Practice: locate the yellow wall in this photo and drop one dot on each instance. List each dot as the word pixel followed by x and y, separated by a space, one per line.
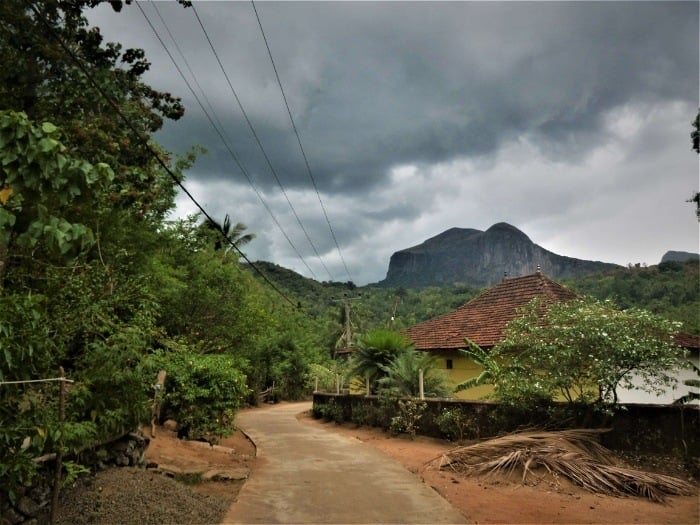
pixel 463 368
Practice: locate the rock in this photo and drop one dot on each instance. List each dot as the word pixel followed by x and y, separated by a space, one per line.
pixel 28 507
pixel 11 517
pixel 170 424
pixel 41 495
pixel 236 474
pixel 479 258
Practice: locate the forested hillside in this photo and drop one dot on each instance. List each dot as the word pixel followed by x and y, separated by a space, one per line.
pixel 671 289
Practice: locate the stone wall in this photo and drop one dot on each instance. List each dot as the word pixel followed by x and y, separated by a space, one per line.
pixel 665 429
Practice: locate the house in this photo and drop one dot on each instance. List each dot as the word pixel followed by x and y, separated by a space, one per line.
pixel 483 321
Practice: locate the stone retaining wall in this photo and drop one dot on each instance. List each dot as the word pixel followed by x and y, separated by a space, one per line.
pixel 657 429
pixel 33 504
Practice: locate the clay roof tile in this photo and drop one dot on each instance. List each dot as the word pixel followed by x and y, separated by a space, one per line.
pixel 483 319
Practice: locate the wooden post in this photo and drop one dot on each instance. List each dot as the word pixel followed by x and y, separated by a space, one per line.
pixel 155 408
pixel 367 389
pixel 421 394
pixel 337 383
pixel 316 385
pixel 59 452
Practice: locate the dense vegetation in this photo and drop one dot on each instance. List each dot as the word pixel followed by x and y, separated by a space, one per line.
pixel 671 290
pixel 94 279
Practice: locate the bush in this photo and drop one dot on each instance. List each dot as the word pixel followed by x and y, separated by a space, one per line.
pixel 202 392
pixel 406 421
pixel 457 425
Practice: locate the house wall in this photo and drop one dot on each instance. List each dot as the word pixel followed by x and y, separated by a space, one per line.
pixel 463 368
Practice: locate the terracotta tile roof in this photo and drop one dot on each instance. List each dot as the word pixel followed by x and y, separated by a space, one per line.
pixel 689 341
pixel 484 318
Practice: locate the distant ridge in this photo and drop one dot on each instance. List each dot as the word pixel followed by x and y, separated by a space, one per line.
pixel 679 256
pixel 480 258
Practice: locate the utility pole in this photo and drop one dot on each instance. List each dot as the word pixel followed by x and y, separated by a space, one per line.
pixel 348 325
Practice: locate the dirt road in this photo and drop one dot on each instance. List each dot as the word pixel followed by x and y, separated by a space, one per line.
pixel 304 474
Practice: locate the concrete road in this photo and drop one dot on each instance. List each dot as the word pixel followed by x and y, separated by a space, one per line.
pixel 305 474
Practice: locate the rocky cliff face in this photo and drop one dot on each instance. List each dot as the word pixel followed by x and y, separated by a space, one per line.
pixel 680 256
pixel 479 258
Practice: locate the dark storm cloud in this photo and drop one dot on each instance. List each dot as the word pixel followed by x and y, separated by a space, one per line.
pixel 378 87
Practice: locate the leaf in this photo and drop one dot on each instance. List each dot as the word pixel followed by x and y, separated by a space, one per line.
pixel 47 144
pixel 48 128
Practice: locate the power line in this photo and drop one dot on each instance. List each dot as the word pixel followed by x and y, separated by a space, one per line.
pixel 220 131
pixel 301 148
pixel 257 140
pixel 144 141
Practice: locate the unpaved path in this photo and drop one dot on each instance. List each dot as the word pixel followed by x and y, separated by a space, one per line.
pixel 305 474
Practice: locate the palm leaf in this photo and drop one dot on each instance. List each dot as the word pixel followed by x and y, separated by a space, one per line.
pixel 574 454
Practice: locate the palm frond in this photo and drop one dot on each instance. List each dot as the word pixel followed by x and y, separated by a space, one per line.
pixel 574 454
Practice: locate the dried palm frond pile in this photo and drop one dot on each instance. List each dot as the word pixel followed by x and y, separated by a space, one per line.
pixel 573 454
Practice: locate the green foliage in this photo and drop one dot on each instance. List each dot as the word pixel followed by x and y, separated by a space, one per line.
pixel 202 392
pixel 583 350
pixel 330 411
pixel 406 421
pixel 457 424
pixel 671 290
pixel 402 375
pixel 693 383
pixel 490 367
pixel 44 183
pixel 327 375
pixel 376 350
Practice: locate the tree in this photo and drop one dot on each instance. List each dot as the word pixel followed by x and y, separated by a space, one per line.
pixel 695 140
pixel 584 350
pixel 402 375
pixel 376 350
pixel 233 235
pixel 39 76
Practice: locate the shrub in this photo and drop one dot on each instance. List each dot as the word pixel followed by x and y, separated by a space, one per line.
pixel 456 424
pixel 409 413
pixel 202 392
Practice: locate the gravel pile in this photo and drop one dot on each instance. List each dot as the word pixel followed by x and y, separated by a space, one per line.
pixel 134 495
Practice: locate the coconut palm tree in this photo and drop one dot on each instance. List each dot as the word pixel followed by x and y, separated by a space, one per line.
pixel 233 234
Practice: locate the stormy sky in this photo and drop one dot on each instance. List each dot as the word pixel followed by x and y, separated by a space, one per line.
pixel 568 120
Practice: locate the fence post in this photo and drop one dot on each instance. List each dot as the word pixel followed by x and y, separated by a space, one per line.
pixel 59 452
pixel 421 394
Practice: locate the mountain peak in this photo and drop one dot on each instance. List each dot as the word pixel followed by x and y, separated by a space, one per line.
pixel 477 258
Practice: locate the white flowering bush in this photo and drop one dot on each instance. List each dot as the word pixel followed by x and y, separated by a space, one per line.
pixel 583 351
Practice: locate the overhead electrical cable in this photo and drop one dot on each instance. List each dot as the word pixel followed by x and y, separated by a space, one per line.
pixel 144 142
pixel 259 143
pixel 296 132
pixel 220 131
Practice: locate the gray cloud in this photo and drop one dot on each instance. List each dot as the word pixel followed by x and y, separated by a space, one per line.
pixel 417 117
